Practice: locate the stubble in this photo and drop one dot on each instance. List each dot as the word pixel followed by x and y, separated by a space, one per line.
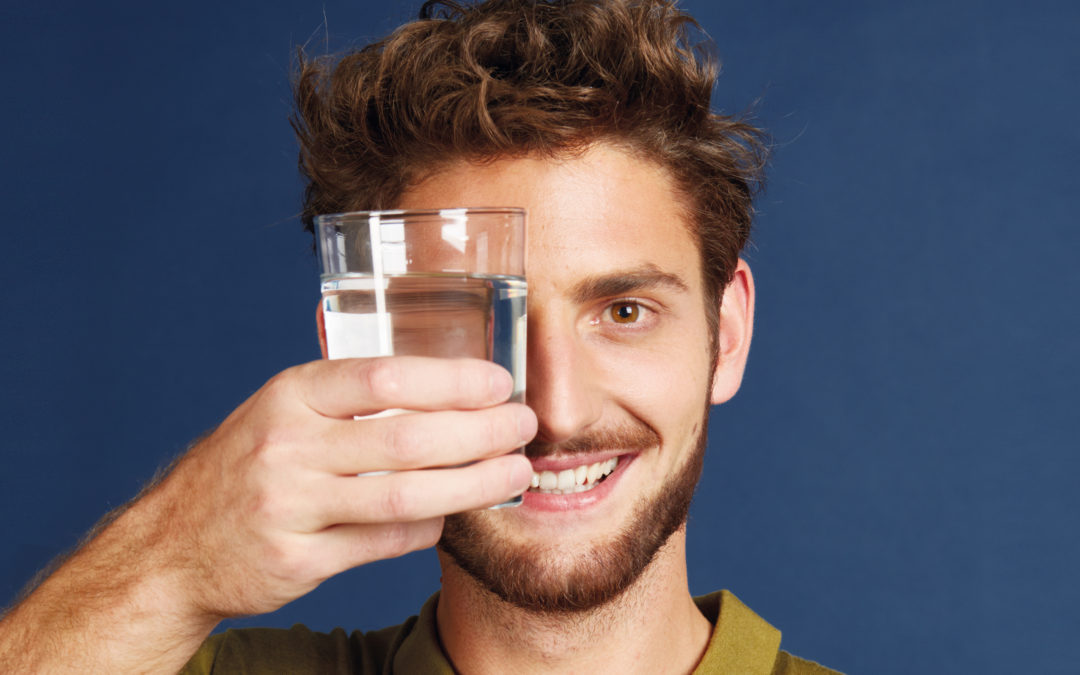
pixel 539 577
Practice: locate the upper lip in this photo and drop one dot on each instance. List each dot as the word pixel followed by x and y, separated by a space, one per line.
pixel 558 463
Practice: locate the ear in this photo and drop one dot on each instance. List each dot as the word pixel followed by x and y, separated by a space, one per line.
pixel 736 328
pixel 322 328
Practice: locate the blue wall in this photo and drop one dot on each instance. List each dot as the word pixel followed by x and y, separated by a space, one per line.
pixel 894 485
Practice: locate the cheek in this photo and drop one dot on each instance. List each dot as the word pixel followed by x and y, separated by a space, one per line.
pixel 666 388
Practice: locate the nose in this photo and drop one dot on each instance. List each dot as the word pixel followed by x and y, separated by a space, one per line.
pixel 562 386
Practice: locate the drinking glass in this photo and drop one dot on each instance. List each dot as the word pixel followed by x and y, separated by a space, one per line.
pixel 445 283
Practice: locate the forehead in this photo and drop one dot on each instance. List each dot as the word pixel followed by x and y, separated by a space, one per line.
pixel 599 212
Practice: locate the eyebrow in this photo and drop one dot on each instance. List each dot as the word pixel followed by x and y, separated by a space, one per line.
pixel 625 282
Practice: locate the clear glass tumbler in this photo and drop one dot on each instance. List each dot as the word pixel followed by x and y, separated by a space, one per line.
pixel 446 283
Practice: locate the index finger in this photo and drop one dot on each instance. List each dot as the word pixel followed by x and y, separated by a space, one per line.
pixel 350 387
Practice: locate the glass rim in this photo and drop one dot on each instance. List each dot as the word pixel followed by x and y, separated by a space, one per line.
pixel 329 218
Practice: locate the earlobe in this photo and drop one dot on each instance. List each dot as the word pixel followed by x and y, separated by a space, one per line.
pixel 321 327
pixel 735 330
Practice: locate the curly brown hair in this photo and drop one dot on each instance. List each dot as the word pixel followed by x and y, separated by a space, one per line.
pixel 507 78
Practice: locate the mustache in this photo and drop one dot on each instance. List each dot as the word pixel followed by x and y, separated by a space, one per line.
pixel 634 437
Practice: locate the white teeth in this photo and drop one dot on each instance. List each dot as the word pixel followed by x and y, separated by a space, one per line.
pixel 548 480
pixel 566 479
pixel 592 473
pixel 569 481
pixel 579 474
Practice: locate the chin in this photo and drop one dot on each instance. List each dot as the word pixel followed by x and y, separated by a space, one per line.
pixel 562 577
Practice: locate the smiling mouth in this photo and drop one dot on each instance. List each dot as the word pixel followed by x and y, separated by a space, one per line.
pixel 570 481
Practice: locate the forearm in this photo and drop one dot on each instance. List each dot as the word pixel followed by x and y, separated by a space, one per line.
pixel 117 605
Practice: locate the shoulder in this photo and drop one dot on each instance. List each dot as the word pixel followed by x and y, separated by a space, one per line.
pixel 411 647
pixel 743 642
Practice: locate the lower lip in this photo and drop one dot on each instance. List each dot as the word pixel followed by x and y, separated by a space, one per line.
pixel 578 500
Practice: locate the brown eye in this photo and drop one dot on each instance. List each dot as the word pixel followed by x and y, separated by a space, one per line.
pixel 625 312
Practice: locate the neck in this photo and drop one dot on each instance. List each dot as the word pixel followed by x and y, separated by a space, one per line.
pixel 653 626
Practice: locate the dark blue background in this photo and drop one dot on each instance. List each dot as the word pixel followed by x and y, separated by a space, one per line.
pixel 894 487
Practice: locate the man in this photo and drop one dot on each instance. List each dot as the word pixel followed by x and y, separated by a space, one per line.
pixel 594 116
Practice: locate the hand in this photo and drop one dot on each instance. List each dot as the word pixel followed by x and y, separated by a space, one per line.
pixel 269 505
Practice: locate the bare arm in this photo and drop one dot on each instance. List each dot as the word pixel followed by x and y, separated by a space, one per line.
pixel 269 505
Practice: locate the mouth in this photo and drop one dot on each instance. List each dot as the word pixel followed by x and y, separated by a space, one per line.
pixel 581 478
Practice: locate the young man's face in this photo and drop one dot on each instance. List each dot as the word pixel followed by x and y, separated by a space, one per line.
pixel 620 370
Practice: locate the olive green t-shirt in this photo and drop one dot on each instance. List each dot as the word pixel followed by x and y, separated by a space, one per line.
pixel 742 643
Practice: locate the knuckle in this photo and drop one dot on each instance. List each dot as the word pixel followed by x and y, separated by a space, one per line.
pixel 383 378
pixel 407 443
pixel 280 385
pixel 270 502
pixel 398 503
pixel 288 563
pixel 264 508
pixel 270 451
pixel 395 539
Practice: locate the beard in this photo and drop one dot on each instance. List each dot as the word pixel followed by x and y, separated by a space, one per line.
pixel 540 577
